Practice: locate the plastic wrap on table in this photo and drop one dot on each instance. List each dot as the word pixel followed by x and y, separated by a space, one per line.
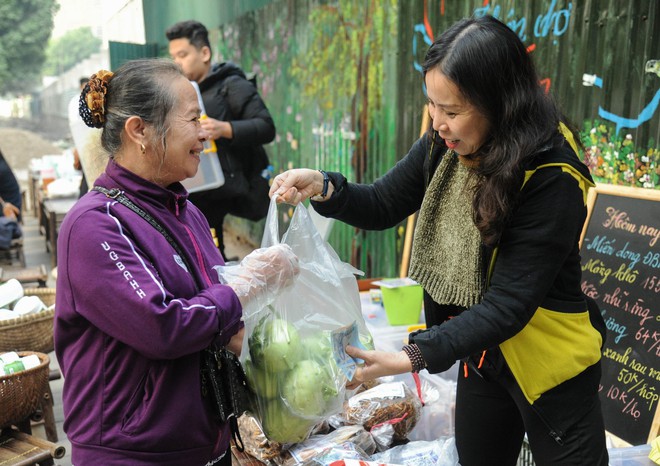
pixel 290 355
pixel 317 445
pixel 437 416
pixel 391 403
pixel 351 462
pixel 343 451
pixel 440 452
pixel 383 435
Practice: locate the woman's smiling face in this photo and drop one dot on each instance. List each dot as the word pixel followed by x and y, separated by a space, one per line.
pixel 462 126
pixel 185 136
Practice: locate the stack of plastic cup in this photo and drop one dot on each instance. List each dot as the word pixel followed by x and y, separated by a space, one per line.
pixel 11 362
pixel 10 292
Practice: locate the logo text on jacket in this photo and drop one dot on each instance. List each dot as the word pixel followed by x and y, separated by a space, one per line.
pixel 122 268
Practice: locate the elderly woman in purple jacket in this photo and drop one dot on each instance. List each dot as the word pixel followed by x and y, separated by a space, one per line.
pixel 132 313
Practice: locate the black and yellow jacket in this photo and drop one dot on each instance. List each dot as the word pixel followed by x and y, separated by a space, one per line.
pixel 533 309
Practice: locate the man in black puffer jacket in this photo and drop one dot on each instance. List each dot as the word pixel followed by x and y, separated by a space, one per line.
pixel 239 122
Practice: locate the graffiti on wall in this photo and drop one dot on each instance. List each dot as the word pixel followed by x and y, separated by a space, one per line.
pixel 653 67
pixel 617 159
pixel 553 22
pixel 612 157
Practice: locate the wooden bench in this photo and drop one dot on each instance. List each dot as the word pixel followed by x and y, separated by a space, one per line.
pixel 20 449
pixel 14 253
pixel 26 275
pixel 45 412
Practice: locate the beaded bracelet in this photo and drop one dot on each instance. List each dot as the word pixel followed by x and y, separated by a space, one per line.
pixel 415 355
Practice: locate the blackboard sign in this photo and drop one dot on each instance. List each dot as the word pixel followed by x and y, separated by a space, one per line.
pixel 620 250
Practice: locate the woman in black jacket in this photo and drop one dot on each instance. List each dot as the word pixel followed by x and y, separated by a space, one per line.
pixel 502 200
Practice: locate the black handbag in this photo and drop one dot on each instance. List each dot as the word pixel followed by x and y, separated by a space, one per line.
pixel 223 382
pixel 225 388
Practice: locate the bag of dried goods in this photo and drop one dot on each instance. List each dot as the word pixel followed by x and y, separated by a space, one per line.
pixel 391 403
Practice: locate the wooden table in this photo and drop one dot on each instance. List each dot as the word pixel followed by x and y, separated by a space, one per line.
pixel 51 214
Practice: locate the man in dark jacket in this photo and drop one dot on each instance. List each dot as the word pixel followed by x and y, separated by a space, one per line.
pixel 238 121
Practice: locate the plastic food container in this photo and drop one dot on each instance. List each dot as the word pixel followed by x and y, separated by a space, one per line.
pixel 209 174
pixel 403 304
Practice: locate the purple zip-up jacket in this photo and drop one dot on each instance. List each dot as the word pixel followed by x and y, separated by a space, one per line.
pixel 130 323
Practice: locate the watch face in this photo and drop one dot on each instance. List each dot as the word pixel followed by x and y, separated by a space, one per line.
pixel 326 180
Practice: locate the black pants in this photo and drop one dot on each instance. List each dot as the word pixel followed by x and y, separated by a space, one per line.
pixel 215 213
pixel 492 416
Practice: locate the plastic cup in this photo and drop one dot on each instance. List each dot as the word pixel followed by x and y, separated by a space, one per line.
pixel 30 361
pixel 403 304
pixel 22 364
pixel 11 356
pixel 10 291
pixel 7 314
pixel 29 305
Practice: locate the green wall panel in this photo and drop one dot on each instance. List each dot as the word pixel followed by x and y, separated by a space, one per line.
pixel 121 52
pixel 342 81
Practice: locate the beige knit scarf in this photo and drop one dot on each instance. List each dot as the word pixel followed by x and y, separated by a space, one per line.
pixel 446 257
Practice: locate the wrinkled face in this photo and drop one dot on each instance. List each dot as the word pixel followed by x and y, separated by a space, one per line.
pixel 185 136
pixel 463 128
pixel 194 62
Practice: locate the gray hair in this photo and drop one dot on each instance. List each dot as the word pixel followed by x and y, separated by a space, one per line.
pixel 139 88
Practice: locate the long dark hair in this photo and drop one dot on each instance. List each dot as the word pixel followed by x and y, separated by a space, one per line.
pixel 494 72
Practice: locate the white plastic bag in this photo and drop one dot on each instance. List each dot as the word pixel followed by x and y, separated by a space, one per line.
pixel 439 452
pixel 289 355
pixel 439 395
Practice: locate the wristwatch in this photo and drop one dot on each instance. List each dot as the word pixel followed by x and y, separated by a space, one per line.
pixel 324 192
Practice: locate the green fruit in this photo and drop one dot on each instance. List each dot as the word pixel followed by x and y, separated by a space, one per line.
pixel 275 345
pixel 302 388
pixel 283 426
pixel 318 346
pixel 264 384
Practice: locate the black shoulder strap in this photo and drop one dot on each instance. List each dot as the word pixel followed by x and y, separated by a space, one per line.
pixel 120 197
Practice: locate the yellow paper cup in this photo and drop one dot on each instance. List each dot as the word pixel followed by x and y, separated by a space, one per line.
pixel 403 304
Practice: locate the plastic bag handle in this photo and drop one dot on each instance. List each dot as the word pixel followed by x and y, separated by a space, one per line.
pixel 271 228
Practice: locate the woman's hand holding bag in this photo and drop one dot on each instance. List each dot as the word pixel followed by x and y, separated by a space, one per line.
pixel 262 274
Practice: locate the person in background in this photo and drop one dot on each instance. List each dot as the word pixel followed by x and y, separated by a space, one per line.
pixel 238 121
pixel 73 115
pixel 133 312
pixel 11 199
pixel 501 196
pixel 88 150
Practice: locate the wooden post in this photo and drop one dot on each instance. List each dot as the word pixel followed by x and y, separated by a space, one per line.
pixel 412 219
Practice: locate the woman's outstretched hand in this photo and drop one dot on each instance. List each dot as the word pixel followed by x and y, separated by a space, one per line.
pixel 294 186
pixel 377 364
